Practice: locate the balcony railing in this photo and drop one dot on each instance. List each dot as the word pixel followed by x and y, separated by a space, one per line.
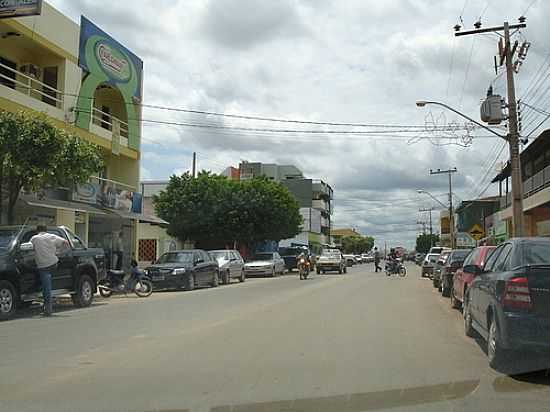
pixel 31 87
pixel 106 121
pixel 534 184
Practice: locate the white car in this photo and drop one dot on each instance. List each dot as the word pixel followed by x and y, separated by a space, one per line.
pixel 331 260
pixel 231 265
pixel 350 260
pixel 265 264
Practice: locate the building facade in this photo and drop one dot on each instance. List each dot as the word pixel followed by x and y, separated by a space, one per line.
pixel 89 84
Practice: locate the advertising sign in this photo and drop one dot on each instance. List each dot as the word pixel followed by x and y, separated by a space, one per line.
pixel 108 195
pixel 19 8
pixel 101 55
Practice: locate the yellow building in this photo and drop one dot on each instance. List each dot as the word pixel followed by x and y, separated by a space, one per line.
pixel 90 85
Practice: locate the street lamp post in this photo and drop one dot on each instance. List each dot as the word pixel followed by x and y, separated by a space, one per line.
pixel 517 182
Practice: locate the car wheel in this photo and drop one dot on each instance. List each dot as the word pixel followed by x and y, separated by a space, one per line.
pixel 84 292
pixel 215 280
pixel 242 278
pixel 8 300
pixel 345 269
pixel 455 303
pixel 226 278
pixel 468 328
pixel 495 353
pixel 190 282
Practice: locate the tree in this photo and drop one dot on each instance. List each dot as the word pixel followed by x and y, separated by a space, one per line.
pixel 213 209
pixel 34 155
pixel 357 244
pixel 425 241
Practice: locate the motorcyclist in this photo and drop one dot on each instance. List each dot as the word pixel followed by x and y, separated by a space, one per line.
pixel 393 260
pixel 302 257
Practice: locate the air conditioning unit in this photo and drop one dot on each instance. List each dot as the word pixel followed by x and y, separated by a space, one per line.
pixel 31 70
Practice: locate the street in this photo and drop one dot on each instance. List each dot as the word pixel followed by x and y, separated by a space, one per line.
pixel 354 342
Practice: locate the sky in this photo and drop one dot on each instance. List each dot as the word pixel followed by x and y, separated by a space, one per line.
pixel 352 61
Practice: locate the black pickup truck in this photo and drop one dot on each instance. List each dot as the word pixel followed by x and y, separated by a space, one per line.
pixel 79 269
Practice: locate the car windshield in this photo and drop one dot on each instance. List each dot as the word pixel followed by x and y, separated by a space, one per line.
pixel 219 254
pixel 262 256
pixel 536 253
pixel 176 257
pixel 6 239
pixel 459 255
pixel 331 253
pixel 290 251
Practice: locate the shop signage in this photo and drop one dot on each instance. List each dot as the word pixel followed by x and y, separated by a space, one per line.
pixel 104 57
pixel 20 8
pixel 108 195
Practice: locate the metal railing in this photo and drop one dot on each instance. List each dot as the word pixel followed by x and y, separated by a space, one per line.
pixel 106 120
pixel 534 184
pixel 32 87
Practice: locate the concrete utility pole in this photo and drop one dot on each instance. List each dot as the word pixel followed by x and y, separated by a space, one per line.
pixel 451 214
pixel 431 209
pixel 507 52
pixel 194 170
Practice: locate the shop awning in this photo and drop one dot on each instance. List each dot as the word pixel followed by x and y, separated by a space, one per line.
pixel 138 216
pixel 63 205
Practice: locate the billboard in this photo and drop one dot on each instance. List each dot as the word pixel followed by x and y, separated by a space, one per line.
pixel 102 56
pixel 19 8
pixel 108 195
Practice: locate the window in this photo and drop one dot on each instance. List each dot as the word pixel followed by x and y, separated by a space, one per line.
pixel 75 240
pixel 492 258
pixel 470 258
pixel 50 79
pixel 205 256
pixel 501 263
pixel 536 253
pixel 6 72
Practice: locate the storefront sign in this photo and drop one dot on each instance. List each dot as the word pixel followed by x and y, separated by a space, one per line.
pixel 86 192
pixel 20 8
pixel 102 56
pixel 108 195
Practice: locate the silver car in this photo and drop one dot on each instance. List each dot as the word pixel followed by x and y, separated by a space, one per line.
pixel 231 265
pixel 265 264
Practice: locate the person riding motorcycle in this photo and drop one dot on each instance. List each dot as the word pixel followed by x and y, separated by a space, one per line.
pixel 302 260
pixel 392 261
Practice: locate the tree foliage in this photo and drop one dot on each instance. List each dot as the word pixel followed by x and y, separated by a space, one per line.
pixel 35 154
pixel 357 244
pixel 425 241
pixel 212 208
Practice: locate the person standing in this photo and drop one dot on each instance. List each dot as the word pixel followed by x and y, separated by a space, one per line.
pixel 377 267
pixel 118 247
pixel 46 246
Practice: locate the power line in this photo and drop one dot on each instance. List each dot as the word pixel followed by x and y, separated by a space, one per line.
pixel 528 7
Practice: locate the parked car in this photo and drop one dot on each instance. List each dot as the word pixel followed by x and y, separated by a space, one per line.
pixel 186 269
pixel 78 272
pixel 453 263
pixel 265 264
pixel 290 255
pixel 230 263
pixel 508 303
pixel 331 260
pixel 438 268
pixel 350 260
pixel 428 264
pixel 463 278
pixel 367 257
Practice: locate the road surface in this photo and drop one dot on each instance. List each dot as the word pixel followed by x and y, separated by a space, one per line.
pixel 354 342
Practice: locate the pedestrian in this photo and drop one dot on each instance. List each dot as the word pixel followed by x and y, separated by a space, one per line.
pixel 118 247
pixel 45 254
pixel 377 260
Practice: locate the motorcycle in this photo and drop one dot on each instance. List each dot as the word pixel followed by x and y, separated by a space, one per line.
pixel 303 268
pixel 395 268
pixel 141 285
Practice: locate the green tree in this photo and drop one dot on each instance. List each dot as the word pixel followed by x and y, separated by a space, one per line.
pixel 357 244
pixel 425 241
pixel 34 155
pixel 213 209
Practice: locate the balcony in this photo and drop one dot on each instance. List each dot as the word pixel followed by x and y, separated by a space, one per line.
pixel 27 83
pixel 106 125
pixel 531 186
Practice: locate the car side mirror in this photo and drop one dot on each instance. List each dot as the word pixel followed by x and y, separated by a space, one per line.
pixel 27 246
pixel 473 269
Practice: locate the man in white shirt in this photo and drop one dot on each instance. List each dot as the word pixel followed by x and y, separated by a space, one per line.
pixel 45 254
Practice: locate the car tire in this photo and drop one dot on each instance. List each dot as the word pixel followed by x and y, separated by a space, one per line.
pixel 8 300
pixel 84 295
pixel 468 327
pixel 345 269
pixel 496 355
pixel 226 277
pixel 215 280
pixel 190 282
pixel 455 303
pixel 445 292
pixel 242 278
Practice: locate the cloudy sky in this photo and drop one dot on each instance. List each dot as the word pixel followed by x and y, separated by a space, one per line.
pixel 346 61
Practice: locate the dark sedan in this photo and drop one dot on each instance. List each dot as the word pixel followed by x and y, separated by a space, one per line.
pixel 452 264
pixel 184 269
pixel 508 302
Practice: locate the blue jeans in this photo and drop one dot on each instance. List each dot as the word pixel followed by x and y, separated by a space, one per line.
pixel 46 281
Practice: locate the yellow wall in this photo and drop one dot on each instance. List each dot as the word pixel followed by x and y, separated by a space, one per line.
pixel 148 231
pixel 65 218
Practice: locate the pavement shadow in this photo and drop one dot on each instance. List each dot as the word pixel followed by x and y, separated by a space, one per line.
pixel 62 308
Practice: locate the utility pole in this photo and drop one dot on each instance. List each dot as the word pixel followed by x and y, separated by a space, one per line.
pixel 451 214
pixel 194 170
pixel 431 209
pixel 507 52
pixel 423 224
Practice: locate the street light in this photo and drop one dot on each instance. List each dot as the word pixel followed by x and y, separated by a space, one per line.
pixel 517 182
pixel 420 191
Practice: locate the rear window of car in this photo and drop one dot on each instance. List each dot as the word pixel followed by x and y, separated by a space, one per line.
pixel 459 255
pixel 536 253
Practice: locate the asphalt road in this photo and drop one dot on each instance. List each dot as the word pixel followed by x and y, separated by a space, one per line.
pixel 354 342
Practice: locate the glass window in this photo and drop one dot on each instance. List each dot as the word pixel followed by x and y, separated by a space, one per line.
pixel 491 260
pixel 536 253
pixel 6 238
pixel 75 240
pixel 501 264
pixel 176 257
pixel 470 258
pixel 263 256
pixel 205 256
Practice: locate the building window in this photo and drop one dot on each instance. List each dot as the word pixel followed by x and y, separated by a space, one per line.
pixel 147 250
pixel 7 76
pixel 50 79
